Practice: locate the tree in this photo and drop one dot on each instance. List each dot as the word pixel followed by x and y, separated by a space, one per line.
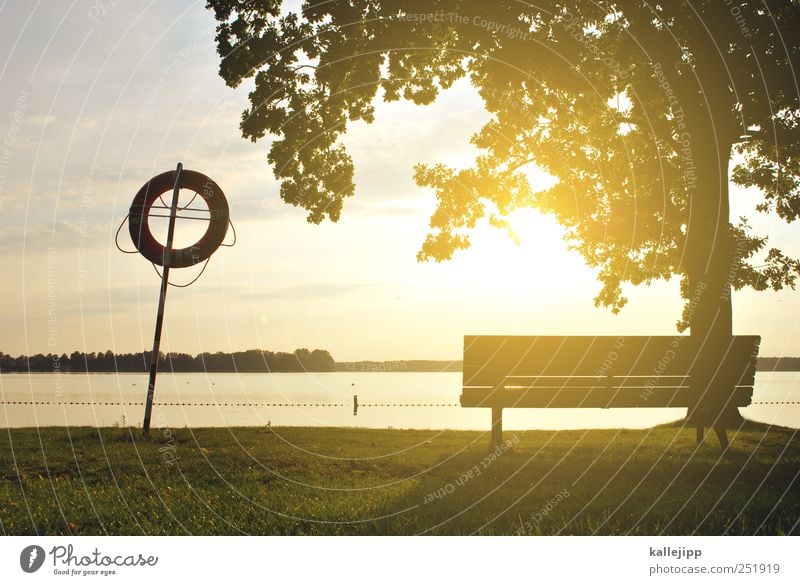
pixel 637 109
pixel 77 362
pixel 321 360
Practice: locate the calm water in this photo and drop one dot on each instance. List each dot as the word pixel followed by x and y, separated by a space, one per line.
pixel 323 400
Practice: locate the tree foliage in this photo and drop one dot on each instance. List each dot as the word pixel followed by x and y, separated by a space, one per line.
pixel 635 108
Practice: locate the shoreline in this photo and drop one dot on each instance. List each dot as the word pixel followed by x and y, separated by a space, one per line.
pixel 748 424
pixel 337 370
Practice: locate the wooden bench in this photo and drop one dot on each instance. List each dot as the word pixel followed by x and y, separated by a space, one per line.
pixel 608 372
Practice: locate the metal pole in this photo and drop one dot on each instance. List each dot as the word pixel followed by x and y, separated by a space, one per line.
pixel 151 386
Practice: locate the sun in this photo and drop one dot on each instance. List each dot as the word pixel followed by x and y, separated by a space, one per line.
pixel 529 228
pixel 529 255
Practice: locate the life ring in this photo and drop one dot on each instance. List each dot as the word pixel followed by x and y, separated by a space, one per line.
pixel 153 250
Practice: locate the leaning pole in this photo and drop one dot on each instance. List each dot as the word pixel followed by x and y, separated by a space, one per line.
pixel 142 209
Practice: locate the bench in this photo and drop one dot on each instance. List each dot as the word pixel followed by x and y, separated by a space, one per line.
pixel 610 372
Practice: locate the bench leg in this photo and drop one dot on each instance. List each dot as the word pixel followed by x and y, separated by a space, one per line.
pixel 722 435
pixel 497 427
pixel 700 432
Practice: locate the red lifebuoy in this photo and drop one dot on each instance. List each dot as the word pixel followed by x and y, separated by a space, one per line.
pixel 143 238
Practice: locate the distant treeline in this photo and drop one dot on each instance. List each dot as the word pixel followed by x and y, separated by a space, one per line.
pixel 778 364
pixel 765 364
pixel 400 366
pixel 254 360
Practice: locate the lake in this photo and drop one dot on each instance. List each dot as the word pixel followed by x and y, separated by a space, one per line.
pixel 427 400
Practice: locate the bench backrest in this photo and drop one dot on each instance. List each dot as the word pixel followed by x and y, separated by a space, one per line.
pixel 490 360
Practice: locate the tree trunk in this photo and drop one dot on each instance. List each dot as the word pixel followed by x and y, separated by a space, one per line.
pixel 710 268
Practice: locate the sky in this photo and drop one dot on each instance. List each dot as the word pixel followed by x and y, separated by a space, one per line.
pixel 97 97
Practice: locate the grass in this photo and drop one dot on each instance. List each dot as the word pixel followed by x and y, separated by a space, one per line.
pixel 360 481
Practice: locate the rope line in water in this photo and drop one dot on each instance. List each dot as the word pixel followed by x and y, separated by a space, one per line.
pixel 288 404
pixel 234 404
pixel 404 405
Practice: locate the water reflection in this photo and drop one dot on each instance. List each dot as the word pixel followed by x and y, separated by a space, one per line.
pixel 319 399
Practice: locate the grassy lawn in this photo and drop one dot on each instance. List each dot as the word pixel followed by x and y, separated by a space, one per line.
pixel 360 481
